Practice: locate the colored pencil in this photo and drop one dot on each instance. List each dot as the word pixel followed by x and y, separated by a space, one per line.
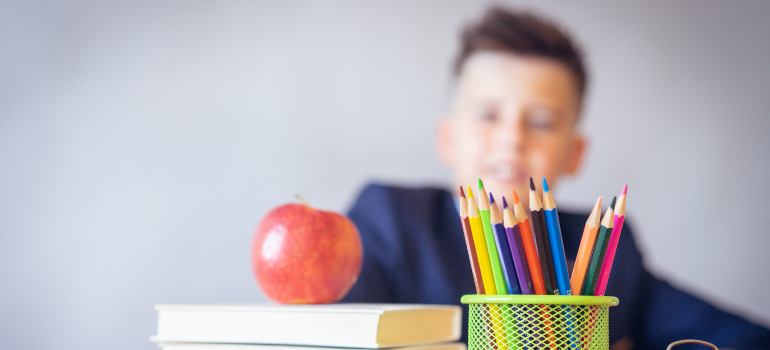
pixel 510 270
pixel 620 215
pixel 559 262
pixel 481 245
pixel 600 249
pixel 512 331
pixel 467 232
pixel 489 235
pixel 518 253
pixel 541 237
pixel 557 245
pixel 586 247
pixel 533 261
pixel 544 252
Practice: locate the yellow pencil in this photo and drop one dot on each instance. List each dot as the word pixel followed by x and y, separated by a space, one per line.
pixel 481 245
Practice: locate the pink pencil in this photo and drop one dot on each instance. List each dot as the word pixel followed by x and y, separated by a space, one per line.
pixel 620 215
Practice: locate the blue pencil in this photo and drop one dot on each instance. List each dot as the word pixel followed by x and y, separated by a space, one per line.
pixel 506 260
pixel 512 330
pixel 557 245
pixel 559 261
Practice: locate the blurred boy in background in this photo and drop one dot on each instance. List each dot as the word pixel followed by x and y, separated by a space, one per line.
pixel 520 84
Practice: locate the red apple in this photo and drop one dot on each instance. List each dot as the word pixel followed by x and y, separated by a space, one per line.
pixel 303 255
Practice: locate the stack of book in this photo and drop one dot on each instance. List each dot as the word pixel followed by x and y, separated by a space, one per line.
pixel 305 327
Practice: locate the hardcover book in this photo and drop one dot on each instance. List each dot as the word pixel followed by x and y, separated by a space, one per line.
pixel 335 325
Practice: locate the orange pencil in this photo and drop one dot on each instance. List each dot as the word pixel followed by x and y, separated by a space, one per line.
pixel 530 250
pixel 481 245
pixel 586 247
pixel 467 232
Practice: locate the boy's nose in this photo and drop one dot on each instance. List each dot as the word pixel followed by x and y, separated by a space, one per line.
pixel 510 133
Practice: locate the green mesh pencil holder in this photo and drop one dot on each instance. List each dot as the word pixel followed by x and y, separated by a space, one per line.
pixel 508 322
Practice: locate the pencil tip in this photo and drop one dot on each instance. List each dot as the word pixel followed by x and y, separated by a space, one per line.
pixel 481 185
pixel 470 193
pixel 612 205
pixel 531 184
pixel 545 185
pixel 625 187
pixel 505 204
pixel 491 198
pixel 462 193
pixel 515 197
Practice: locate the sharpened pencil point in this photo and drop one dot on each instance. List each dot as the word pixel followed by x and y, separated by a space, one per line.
pixel 596 214
pixel 470 193
pixel 545 185
pixel 481 184
pixel 531 184
pixel 505 204
pixel 625 187
pixel 462 193
pixel 491 198
pixel 612 205
pixel 515 198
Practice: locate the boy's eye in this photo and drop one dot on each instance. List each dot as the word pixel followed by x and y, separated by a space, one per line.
pixel 487 115
pixel 542 119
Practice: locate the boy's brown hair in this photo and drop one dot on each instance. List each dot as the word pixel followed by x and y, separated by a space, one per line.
pixel 522 34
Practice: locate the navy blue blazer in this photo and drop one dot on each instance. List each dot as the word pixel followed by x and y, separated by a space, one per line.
pixel 414 252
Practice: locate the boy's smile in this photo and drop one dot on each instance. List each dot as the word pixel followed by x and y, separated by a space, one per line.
pixel 513 117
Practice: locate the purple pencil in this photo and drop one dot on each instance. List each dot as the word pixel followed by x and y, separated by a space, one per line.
pixel 517 249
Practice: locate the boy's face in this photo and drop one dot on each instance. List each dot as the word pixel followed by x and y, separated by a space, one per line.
pixel 513 117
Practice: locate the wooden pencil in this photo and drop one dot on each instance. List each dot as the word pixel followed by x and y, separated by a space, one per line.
pixel 557 245
pixel 504 244
pixel 600 249
pixel 586 247
pixel 481 245
pixel 541 238
pixel 513 231
pixel 620 215
pixel 530 249
pixel 489 235
pixel 467 232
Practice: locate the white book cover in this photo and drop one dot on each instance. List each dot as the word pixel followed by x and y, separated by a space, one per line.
pixel 212 346
pixel 335 325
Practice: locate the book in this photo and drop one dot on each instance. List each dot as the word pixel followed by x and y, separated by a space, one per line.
pixel 334 325
pixel 214 346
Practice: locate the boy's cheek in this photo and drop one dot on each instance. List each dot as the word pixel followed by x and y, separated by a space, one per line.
pixel 471 146
pixel 537 165
pixel 544 164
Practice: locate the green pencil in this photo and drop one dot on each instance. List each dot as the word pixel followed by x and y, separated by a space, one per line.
pixel 494 257
pixel 600 249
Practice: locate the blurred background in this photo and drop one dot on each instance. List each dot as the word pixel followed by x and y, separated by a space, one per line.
pixel 142 141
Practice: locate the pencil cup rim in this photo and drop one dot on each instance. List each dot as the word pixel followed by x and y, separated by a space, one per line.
pixel 539 299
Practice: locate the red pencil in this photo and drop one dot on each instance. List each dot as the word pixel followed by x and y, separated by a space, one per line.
pixel 541 239
pixel 469 243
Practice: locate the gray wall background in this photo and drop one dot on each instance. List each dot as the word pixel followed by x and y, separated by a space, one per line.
pixel 141 142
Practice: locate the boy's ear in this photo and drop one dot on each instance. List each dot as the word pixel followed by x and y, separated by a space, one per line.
pixel 445 140
pixel 576 154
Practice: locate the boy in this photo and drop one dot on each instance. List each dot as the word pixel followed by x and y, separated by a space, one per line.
pixel 520 85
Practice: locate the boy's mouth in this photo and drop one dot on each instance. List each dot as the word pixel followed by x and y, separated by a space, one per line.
pixel 507 173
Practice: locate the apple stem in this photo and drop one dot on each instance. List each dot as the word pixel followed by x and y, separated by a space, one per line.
pixel 302 199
